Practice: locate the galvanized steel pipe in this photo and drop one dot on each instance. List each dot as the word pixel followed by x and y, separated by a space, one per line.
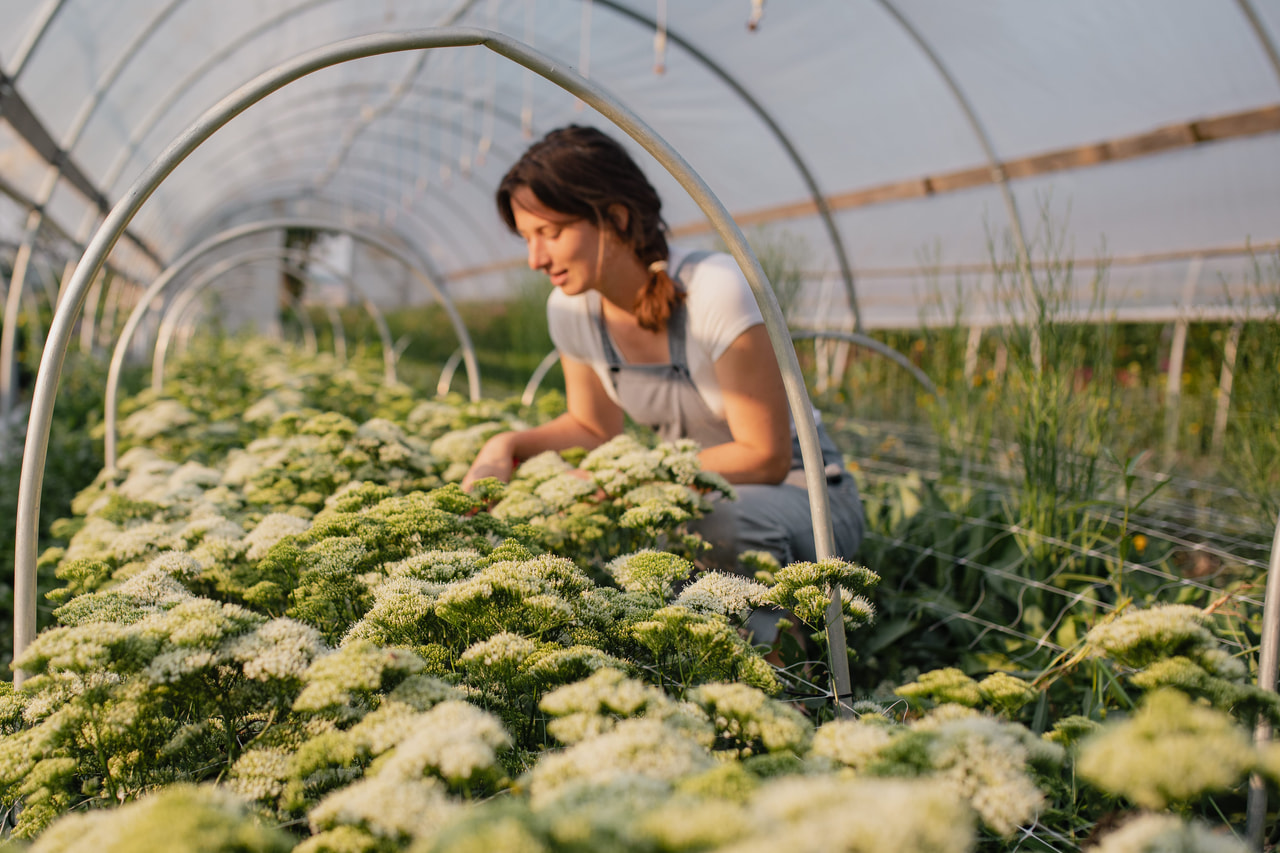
pixel 117 220
pixel 414 265
pixel 294 257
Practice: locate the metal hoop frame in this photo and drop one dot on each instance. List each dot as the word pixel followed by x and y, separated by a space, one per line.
pixel 293 258
pixel 590 93
pixel 415 266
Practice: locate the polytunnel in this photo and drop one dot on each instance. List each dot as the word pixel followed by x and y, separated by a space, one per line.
pixel 922 165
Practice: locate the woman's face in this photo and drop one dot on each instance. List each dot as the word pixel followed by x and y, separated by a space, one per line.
pixel 574 253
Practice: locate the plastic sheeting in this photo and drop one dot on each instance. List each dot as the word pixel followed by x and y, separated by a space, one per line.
pixel 869 93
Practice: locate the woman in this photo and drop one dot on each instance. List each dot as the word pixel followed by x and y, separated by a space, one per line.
pixel 677 343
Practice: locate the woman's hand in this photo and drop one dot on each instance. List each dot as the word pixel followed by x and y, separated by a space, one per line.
pixel 496 459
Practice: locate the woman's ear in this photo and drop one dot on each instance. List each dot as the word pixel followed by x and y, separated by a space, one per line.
pixel 620 218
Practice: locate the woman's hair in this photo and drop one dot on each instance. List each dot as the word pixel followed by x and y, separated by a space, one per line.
pixel 581 172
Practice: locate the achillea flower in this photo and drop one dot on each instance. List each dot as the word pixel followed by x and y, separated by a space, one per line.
pixel 387 806
pixel 598 703
pixel 943 685
pixel 642 748
pixel 748 721
pixel 538 469
pixel 260 774
pixel 162 416
pixel 178 817
pixel 1157 833
pixel 728 595
pixel 139 540
pixel 437 566
pixel 1170 751
pixel 854 743
pixel 805 589
pixel 422 692
pixel 157 586
pixel 818 814
pixel 280 649
pixel 454 740
pixel 358 667
pixel 520 505
pixel 564 490
pixel 1005 692
pixel 651 572
pixel 1141 637
pixel 403 613
pixel 273 527
pixel 986 764
pixel 501 655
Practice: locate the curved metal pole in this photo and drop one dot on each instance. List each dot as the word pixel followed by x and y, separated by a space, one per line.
pixel 294 257
pixel 1001 179
pixel 184 316
pixel 446 372
pixel 52 177
pixel 811 183
pixel 873 345
pixel 398 91
pixel 544 367
pixel 414 264
pixel 1268 658
pixel 456 215
pixel 37 442
pixel 252 150
pixel 266 196
pixel 1269 652
pixel 89 319
pixel 28 45
pixel 1264 38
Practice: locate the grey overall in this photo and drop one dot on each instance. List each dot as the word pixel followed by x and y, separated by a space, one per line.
pixel 772 518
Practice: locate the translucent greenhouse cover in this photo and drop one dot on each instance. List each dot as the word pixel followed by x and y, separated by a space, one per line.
pixel 1138 138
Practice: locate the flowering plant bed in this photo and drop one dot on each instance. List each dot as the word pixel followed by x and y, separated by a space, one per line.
pixel 312 639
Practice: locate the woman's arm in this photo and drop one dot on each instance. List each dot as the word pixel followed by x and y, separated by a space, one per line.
pixel 755 406
pixel 591 420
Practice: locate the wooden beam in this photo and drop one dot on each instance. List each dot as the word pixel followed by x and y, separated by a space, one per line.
pixel 1156 141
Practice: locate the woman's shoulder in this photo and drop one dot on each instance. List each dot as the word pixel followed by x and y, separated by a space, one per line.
pixel 698 266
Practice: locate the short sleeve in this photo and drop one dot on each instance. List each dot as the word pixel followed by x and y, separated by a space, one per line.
pixel 721 304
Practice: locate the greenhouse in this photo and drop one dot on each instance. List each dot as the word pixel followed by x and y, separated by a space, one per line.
pixel 593 425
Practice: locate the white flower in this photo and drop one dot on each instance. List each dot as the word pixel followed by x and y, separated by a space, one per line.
pixel 160 417
pixel 818 814
pixel 634 748
pixel 282 648
pixel 564 490
pixel 505 650
pixel 155 587
pixel 176 564
pixel 714 592
pixel 853 743
pixel 1158 833
pixel 134 542
pixel 454 739
pixel 986 764
pixel 270 530
pixel 746 715
pixel 387 806
pixel 260 774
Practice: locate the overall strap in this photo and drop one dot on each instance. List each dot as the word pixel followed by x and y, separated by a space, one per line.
pixel 676 323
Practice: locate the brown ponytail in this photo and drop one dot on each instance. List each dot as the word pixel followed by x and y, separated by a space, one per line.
pixel 657 298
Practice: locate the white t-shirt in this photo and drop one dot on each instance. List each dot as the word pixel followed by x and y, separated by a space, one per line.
pixel 719 306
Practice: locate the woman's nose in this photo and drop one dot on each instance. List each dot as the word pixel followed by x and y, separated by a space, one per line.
pixel 537 254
